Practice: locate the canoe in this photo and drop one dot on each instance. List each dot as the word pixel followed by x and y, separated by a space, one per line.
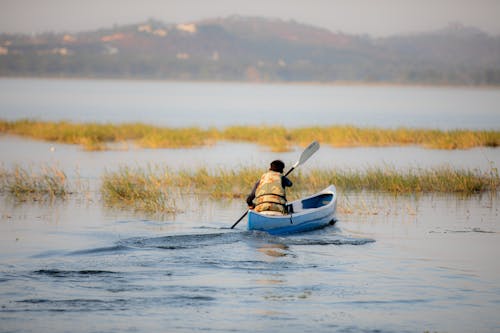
pixel 313 212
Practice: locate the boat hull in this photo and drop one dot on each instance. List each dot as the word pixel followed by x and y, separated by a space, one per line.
pixel 313 212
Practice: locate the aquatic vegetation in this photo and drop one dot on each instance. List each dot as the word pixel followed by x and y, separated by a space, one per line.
pixel 25 184
pixel 278 139
pixel 418 180
pixel 94 136
pixel 174 138
pixel 350 136
pixel 143 190
pixel 147 189
pixel 154 189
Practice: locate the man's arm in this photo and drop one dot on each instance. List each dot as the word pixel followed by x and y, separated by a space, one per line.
pixel 251 196
pixel 285 182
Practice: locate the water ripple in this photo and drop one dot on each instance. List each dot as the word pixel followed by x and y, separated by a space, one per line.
pixel 192 241
pixel 176 242
pixel 63 273
pixel 101 250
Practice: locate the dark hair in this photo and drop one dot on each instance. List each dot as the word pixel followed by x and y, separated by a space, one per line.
pixel 277 166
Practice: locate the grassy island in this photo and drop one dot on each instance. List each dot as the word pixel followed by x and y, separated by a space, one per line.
pixel 96 136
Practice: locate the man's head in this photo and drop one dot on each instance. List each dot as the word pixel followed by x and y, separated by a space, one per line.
pixel 277 166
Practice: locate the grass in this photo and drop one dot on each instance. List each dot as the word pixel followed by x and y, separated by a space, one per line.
pixel 144 190
pixel 147 189
pixel 47 183
pixel 434 180
pixel 154 189
pixel 93 136
pixel 349 136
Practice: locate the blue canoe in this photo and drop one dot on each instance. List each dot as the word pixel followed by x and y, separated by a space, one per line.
pixel 306 214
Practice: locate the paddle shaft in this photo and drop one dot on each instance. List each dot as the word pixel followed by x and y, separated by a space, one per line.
pixel 241 218
pixel 286 174
pixel 308 152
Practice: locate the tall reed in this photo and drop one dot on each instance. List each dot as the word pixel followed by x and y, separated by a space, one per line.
pixel 154 189
pixel 27 184
pixel 142 189
pixel 441 179
pixel 147 189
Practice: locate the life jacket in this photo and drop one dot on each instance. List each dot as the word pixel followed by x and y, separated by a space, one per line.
pixel 270 194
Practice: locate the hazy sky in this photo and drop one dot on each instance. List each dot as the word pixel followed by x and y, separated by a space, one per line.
pixel 374 17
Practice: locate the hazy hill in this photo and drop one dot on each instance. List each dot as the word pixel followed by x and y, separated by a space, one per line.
pixel 255 49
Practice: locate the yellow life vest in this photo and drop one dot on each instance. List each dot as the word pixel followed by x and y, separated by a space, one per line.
pixel 270 194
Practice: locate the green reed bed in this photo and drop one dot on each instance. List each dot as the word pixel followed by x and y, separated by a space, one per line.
pixel 145 190
pixel 175 138
pixel 93 136
pixel 155 189
pixel 278 139
pixel 349 136
pixel 434 180
pixel 219 183
pixel 47 183
pixel 149 189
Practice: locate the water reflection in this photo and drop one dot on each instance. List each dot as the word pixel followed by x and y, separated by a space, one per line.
pixel 274 250
pixel 91 165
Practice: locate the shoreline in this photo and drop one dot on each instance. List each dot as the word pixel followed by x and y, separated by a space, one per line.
pixel 263 83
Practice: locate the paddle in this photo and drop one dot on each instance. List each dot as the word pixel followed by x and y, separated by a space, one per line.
pixel 308 152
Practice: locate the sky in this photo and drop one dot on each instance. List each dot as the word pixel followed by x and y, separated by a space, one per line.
pixel 377 18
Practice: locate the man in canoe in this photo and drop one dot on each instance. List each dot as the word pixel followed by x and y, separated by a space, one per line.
pixel 268 193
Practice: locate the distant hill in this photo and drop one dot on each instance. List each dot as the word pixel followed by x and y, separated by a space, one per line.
pixel 255 49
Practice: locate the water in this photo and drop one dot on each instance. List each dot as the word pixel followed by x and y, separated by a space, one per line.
pixel 226 155
pixel 390 264
pixel 222 104
pixel 398 265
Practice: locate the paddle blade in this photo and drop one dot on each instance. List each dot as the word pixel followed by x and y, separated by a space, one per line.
pixel 308 152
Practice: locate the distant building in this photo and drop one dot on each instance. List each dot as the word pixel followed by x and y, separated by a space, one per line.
pixel 69 39
pixel 145 28
pixel 62 51
pixel 111 50
pixel 160 32
pixel 189 27
pixel 183 56
pixel 148 29
pixel 110 38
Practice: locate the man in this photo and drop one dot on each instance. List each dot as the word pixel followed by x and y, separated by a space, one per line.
pixel 268 194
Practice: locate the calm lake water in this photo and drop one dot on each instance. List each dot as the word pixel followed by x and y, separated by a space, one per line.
pixel 401 264
pixel 223 104
pixel 390 264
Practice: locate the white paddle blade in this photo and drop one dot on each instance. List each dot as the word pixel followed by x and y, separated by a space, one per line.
pixel 308 152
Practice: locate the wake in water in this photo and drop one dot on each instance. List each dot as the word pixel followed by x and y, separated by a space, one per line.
pixel 69 273
pixel 222 237
pixel 191 241
pixel 465 230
